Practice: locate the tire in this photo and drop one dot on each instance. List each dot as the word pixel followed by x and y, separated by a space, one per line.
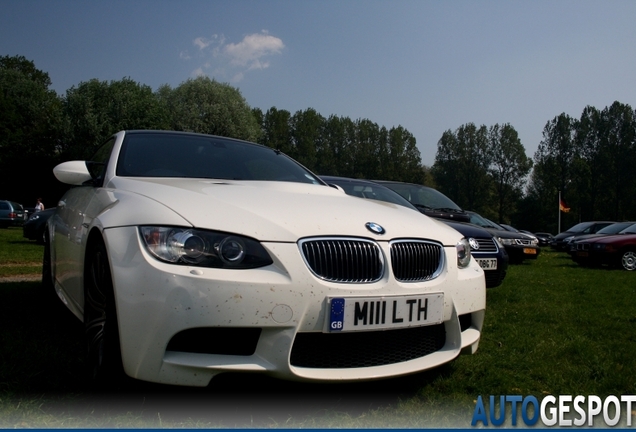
pixel 104 368
pixel 628 260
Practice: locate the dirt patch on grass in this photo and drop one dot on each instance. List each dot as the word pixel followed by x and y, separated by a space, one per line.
pixel 30 277
pixel 21 278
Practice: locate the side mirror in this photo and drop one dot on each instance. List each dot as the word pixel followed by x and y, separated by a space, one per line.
pixel 72 172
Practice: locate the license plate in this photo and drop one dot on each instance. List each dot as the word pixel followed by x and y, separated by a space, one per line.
pixel 348 314
pixel 487 263
pixel 529 251
pixel 582 253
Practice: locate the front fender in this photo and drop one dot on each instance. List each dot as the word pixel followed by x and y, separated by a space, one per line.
pixel 115 208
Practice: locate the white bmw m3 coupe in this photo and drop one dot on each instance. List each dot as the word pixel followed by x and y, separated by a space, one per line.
pixel 189 255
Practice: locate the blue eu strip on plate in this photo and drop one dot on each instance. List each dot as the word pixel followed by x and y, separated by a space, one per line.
pixel 336 316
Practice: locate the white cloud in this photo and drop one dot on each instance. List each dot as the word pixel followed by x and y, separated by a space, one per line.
pixel 252 48
pixel 236 58
pixel 201 43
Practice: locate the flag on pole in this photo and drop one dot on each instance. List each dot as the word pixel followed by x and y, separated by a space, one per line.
pixel 563 206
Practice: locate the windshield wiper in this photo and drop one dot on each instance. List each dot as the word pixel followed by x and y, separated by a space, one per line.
pixel 422 206
pixel 449 210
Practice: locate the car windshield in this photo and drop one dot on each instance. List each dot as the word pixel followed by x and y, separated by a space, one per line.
pixel 615 228
pixel 483 222
pixel 579 227
pixel 424 197
pixel 363 189
pixel 499 227
pixel 631 229
pixel 193 156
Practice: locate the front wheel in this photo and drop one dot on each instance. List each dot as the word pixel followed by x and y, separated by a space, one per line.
pixel 628 260
pixel 103 354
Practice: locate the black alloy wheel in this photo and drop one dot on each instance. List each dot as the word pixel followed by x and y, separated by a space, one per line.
pixel 103 360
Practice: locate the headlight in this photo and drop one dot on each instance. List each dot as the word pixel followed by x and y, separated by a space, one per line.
pixel 498 241
pixel 507 241
pixel 194 247
pixel 463 253
pixel 598 246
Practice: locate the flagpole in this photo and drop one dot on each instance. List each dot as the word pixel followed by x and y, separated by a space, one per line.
pixel 559 207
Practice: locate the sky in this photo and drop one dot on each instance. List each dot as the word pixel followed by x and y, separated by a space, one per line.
pixel 428 66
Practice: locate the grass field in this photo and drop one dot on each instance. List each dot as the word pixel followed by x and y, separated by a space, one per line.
pixel 551 328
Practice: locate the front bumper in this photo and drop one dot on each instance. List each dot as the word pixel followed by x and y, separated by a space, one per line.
pixel 518 253
pixel 184 325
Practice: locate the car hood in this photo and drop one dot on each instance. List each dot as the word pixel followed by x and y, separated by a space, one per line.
pixel 469 230
pixel 585 237
pixel 283 211
pixel 506 234
pixel 612 238
pixel 566 234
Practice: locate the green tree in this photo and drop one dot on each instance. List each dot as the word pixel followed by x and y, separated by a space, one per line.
pixel 30 113
pixel 461 166
pixel 204 105
pixel 509 168
pixel 98 109
pixel 607 141
pixel 306 134
pixel 27 70
pixel 31 126
pixel 276 130
pixel 404 156
pixel 554 163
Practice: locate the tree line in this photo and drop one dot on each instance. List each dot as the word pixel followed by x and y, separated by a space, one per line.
pixel 591 161
pixel 482 168
pixel 588 162
pixel 39 128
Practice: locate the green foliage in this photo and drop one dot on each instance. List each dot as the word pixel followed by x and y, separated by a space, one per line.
pixel 39 129
pixel 97 109
pixel 590 161
pixel 342 147
pixel 509 168
pixel 25 68
pixel 206 106
pixel 461 167
pixel 31 125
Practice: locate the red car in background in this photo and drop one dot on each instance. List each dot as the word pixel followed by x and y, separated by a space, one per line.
pixel 613 250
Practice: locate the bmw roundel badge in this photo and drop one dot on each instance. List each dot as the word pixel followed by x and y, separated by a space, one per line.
pixel 375 228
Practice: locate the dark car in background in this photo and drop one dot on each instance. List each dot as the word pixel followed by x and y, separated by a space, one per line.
pixel 34 227
pixel 618 250
pixel 518 245
pixel 485 249
pixel 561 240
pixel 577 242
pixel 544 238
pixel 429 201
pixel 515 230
pixel 11 214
